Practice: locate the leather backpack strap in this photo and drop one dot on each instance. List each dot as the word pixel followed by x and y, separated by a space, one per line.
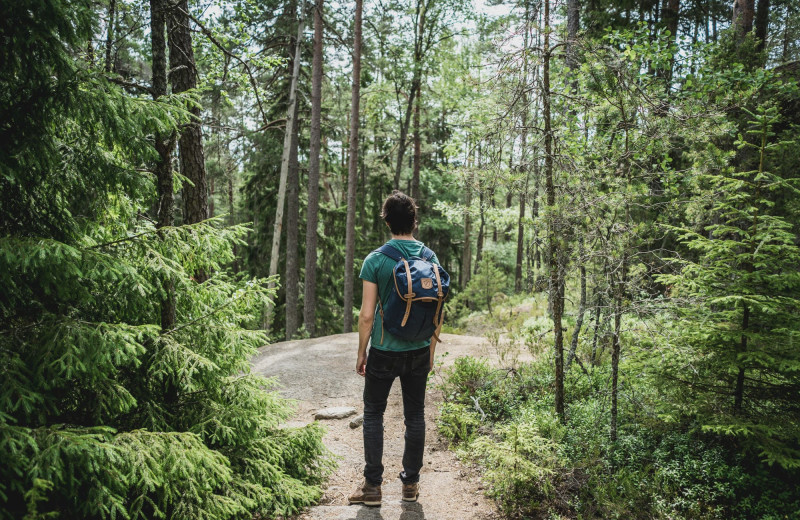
pixel 440 298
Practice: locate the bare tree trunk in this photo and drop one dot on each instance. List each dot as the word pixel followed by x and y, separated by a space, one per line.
pixel 291 286
pixel 555 294
pixel 615 350
pixel 743 14
pixel 762 23
pixel 481 231
pixel 415 194
pixel 581 306
pixel 523 161
pixel 352 175
pixel 416 82
pixel 112 8
pixel 164 145
pixel 596 327
pixel 184 77
pixel 312 213
pixel 466 253
pixel 285 158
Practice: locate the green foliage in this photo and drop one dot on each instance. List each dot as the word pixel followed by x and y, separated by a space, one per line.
pixel 103 413
pixel 534 466
pixel 738 306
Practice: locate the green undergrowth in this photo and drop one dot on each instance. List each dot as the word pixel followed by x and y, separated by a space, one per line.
pixel 503 421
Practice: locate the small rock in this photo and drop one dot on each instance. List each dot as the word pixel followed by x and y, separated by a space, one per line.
pixel 336 412
pixel 356 421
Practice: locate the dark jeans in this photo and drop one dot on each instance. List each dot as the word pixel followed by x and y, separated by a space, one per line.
pixel 383 367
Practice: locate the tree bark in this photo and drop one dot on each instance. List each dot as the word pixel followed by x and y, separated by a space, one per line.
pixel 292 283
pixel 761 24
pixel 352 175
pixel 466 253
pixel 615 351
pixel 164 145
pixel 743 14
pixel 184 77
pixel 523 162
pixel 738 393
pixel 312 213
pixel 581 305
pixel 555 294
pixel 112 11
pixel 415 194
pixel 416 82
pixel 285 158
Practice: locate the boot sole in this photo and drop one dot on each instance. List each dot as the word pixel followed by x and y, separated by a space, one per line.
pixel 370 503
pixel 410 499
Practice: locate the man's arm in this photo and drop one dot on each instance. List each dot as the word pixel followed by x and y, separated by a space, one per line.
pixel 369 298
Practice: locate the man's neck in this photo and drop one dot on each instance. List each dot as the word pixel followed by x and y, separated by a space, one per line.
pixel 403 237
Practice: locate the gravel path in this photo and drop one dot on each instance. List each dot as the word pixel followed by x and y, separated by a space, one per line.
pixel 320 373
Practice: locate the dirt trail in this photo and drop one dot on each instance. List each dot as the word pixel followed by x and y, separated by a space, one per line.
pixel 320 373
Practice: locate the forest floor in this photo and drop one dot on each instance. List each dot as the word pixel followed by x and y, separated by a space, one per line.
pixel 320 373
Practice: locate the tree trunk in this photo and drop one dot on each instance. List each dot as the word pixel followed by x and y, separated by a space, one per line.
pixel 743 14
pixel 292 283
pixel 184 77
pixel 581 305
pixel 415 194
pixel 671 16
pixel 312 213
pixel 481 231
pixel 761 24
pixel 596 327
pixel 352 175
pixel 555 294
pixel 164 145
pixel 112 8
pixel 523 161
pixel 285 158
pixel 615 350
pixel 416 82
pixel 738 393
pixel 466 253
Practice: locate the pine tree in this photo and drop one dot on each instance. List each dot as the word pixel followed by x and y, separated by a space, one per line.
pixel 103 412
pixel 736 359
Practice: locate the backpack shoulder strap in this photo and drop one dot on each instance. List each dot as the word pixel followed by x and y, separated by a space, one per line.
pixel 426 254
pixel 390 251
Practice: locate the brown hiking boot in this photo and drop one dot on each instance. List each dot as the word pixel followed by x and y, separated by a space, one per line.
pixel 410 492
pixel 366 494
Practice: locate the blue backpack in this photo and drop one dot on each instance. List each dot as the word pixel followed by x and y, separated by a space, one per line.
pixel 414 309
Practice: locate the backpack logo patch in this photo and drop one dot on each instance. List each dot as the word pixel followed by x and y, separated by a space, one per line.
pixel 427 283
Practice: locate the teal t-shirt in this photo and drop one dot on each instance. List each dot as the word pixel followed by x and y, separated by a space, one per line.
pixel 378 269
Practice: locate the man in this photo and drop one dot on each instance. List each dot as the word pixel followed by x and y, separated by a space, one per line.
pixel 391 357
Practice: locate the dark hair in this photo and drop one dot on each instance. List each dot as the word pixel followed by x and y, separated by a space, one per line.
pixel 400 212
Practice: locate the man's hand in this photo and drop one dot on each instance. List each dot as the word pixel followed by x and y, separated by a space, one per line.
pixel 361 364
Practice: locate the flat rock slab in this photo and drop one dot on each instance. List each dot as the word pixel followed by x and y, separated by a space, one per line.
pixel 335 412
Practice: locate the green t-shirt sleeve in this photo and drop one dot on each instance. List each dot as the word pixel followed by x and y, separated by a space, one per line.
pixel 434 259
pixel 369 269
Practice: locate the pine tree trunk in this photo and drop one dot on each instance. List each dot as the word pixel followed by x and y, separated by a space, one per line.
pixel 352 175
pixel 416 82
pixel 292 279
pixel 523 164
pixel 285 159
pixel 555 294
pixel 415 194
pixel 112 11
pixel 312 212
pixel 481 231
pixel 164 145
pixel 466 252
pixel 581 305
pixel 762 23
pixel 738 393
pixel 743 14
pixel 184 77
pixel 615 351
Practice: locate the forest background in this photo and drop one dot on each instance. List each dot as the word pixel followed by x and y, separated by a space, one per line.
pixel 612 185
